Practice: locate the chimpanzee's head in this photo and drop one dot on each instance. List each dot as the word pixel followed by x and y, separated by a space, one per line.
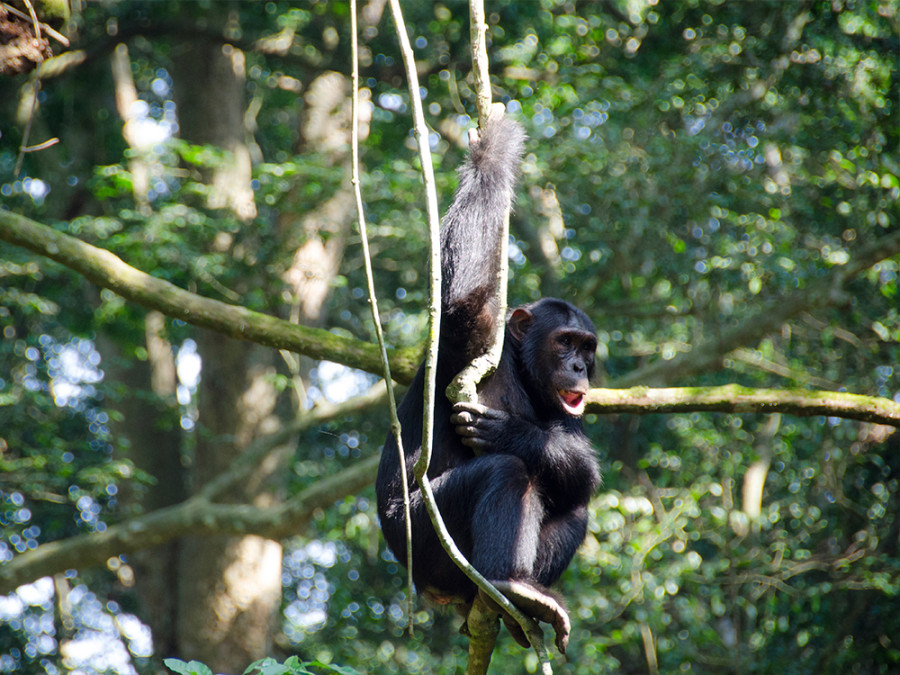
pixel 556 343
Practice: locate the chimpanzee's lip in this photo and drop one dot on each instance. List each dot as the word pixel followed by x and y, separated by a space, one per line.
pixel 572 402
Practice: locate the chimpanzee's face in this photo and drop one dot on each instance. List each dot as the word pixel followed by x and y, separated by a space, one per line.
pixel 557 344
pixel 571 350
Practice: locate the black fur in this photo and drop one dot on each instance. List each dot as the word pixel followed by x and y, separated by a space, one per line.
pixel 513 475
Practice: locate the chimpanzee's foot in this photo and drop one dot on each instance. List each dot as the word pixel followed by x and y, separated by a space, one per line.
pixel 539 604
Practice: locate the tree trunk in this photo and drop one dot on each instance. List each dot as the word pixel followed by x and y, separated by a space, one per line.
pixel 229 588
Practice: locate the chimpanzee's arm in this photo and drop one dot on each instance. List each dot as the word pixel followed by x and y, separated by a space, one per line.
pixel 470 237
pixel 560 455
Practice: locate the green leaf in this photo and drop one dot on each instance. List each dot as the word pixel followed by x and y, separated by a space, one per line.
pixel 342 670
pixel 187 668
pixel 269 666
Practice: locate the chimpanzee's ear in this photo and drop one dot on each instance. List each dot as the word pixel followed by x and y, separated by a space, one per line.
pixel 520 322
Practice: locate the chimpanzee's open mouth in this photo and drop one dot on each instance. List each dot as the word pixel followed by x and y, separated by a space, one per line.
pixel 572 402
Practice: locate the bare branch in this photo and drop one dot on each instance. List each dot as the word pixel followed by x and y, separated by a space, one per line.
pixel 464 385
pixel 259 450
pixel 38 25
pixel 478 39
pixel 481 621
pixel 434 225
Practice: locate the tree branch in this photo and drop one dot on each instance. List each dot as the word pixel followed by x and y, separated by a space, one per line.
pixel 195 516
pixel 737 399
pixel 480 71
pixel 260 449
pixel 200 516
pixel 483 628
pixel 109 271
pixel 420 128
pixel 482 620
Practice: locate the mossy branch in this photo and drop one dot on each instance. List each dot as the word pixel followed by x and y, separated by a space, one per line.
pixel 196 516
pixel 109 271
pixel 737 399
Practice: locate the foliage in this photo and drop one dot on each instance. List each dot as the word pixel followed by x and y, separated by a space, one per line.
pixel 291 666
pixel 689 162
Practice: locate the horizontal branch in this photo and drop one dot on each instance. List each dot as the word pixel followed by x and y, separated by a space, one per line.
pixel 195 516
pixel 737 399
pixel 109 271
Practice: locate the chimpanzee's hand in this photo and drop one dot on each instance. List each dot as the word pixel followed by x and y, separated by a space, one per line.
pixel 479 427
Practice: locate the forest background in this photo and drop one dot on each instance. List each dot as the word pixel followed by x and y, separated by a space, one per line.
pixel 714 183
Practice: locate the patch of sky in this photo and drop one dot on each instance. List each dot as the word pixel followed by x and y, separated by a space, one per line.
pixel 336 382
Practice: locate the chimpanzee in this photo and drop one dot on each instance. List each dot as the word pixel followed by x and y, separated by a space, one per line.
pixel 513 474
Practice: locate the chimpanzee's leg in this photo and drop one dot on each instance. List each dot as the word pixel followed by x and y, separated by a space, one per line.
pixel 558 540
pixel 506 520
pixel 560 537
pixel 493 514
